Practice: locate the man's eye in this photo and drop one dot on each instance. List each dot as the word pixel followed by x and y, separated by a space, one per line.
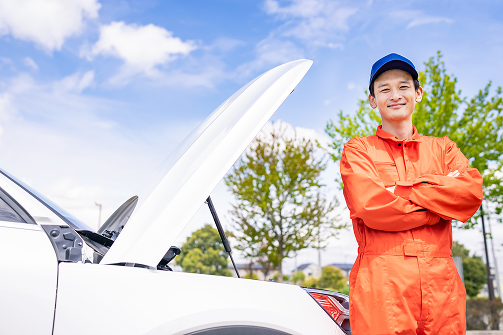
pixel 386 90
pixel 404 87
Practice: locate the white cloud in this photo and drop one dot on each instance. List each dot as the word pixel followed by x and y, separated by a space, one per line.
pixel 27 61
pixel 76 82
pixel 270 51
pixel 4 61
pixel 105 124
pixel 207 77
pixel 427 20
pixel 297 8
pixel 305 26
pixel 6 107
pixel 317 23
pixel 225 44
pixel 418 18
pixel 6 110
pixel 74 148
pixel 46 22
pixel 142 48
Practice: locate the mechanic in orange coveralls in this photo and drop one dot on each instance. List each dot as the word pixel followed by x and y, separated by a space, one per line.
pixel 403 190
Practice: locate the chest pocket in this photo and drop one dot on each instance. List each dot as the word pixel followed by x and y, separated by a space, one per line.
pixel 387 172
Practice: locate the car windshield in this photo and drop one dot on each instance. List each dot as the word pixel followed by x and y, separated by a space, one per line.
pixel 63 214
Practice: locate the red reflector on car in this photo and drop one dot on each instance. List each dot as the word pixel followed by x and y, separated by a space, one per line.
pixel 328 304
pixel 336 305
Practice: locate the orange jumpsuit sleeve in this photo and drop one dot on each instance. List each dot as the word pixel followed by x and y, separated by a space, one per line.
pixel 368 199
pixel 450 197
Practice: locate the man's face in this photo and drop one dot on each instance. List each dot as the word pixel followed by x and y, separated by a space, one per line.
pixel 395 96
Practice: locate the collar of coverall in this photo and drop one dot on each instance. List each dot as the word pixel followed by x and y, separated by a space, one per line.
pixel 387 136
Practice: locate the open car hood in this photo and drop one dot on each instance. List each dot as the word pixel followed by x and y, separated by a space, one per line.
pixel 200 162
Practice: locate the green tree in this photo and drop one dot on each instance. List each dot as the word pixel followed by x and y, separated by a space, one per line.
pixel 298 277
pixel 250 276
pixel 203 252
pixel 474 270
pixel 473 124
pixel 481 314
pixel 459 250
pixel 332 279
pixel 285 278
pixel 311 282
pixel 280 205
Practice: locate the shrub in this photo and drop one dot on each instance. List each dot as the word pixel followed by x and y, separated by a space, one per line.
pixel 332 278
pixel 482 314
pixel 298 277
pixel 247 276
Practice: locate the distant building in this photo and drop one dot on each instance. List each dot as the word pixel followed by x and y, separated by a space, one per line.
pixel 345 267
pixel 257 270
pixel 310 270
pixel 313 270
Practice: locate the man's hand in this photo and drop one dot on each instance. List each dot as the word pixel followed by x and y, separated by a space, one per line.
pixel 453 174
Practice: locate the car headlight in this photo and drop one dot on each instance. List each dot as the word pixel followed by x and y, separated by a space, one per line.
pixel 335 304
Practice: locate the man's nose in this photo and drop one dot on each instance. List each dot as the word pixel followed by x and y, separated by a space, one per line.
pixel 395 95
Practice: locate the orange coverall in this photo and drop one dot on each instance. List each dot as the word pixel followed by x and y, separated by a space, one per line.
pixel 404 280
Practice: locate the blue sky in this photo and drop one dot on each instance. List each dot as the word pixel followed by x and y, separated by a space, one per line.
pixel 95 94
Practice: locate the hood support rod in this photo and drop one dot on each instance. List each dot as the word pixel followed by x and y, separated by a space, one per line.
pixel 221 232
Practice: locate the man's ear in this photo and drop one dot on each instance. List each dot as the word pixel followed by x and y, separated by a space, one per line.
pixel 373 102
pixel 419 94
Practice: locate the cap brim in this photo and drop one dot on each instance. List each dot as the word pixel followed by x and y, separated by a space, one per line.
pixel 395 65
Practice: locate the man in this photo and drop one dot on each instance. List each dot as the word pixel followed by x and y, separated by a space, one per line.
pixel 403 190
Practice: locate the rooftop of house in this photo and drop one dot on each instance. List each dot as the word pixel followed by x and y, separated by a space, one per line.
pixel 342 266
pixel 246 266
pixel 304 266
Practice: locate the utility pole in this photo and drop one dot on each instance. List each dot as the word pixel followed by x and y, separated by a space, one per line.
pixel 498 287
pixel 319 249
pixel 490 288
pixel 99 215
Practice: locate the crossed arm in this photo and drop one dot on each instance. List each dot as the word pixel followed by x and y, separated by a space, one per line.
pixel 453 174
pixel 457 195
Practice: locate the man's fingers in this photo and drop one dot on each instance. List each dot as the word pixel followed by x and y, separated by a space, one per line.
pixel 391 189
pixel 453 174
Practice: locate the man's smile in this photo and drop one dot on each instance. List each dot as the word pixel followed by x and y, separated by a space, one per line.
pixel 396 105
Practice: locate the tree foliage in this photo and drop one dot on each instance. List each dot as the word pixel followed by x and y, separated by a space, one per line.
pixel 483 314
pixel 251 275
pixel 474 270
pixel 475 125
pixel 280 204
pixel 298 277
pixel 331 278
pixel 459 250
pixel 203 252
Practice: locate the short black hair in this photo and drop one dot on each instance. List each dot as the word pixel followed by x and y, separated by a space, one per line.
pixel 416 86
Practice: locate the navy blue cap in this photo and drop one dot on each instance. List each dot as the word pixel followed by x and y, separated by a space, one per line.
pixel 391 62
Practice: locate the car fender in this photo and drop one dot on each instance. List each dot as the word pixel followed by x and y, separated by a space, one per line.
pixel 108 299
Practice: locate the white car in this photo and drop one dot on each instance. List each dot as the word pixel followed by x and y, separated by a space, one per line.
pixel 59 276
